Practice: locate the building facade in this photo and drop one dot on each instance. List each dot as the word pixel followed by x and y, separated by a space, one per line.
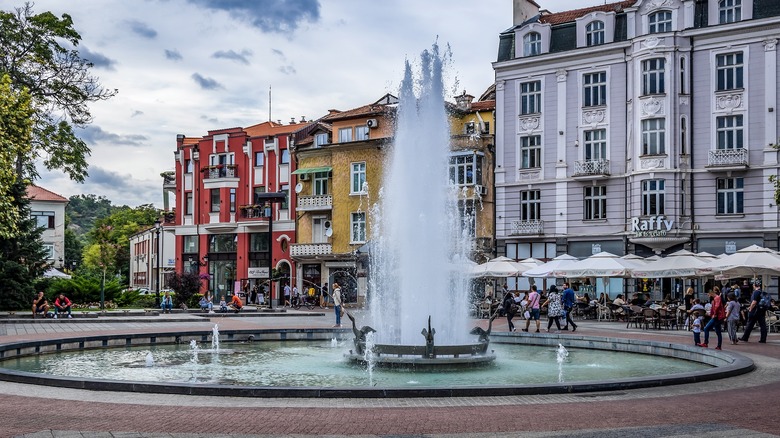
pixel 152 257
pixel 641 126
pixel 48 210
pixel 235 212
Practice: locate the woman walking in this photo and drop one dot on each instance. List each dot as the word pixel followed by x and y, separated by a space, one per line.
pixel 510 307
pixel 554 307
pixel 732 317
pixel 717 315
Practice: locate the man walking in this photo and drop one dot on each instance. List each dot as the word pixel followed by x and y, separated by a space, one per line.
pixel 568 304
pixel 337 303
pixel 756 313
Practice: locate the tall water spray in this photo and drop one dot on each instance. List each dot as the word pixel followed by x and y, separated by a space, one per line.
pixel 417 238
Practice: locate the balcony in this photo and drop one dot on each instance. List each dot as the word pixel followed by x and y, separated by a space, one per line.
pixel 591 168
pixel 253 212
pixel 727 159
pixel 220 176
pixel 526 228
pixel 310 249
pixel 315 203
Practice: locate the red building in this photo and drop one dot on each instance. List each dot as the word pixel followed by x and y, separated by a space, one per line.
pixel 235 212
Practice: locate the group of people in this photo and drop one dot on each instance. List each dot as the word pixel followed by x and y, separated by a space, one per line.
pixel 40 306
pixel 559 307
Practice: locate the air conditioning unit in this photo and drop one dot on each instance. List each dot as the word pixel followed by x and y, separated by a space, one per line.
pixel 371 123
pixel 482 190
pixel 303 177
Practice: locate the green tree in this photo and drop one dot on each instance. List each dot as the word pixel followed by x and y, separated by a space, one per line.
pixel 83 211
pixel 39 53
pixel 15 134
pixel 22 257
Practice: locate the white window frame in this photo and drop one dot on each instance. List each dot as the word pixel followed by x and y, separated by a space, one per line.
pixel 530 205
pixel 361 133
pixel 532 44
pixel 730 194
pixel 319 184
pixel 189 203
pixel 654 136
pixel 357 226
pixel 730 71
pixel 653 197
pixel 729 11
pixel 357 178
pixel 464 169
pixel 530 152
pixel 318 229
pixel 730 132
pixel 594 203
pixel 594 89
pixel 660 22
pixel 595 33
pixel 320 139
pixel 259 159
pixel 653 76
pixel 531 97
pixel 595 145
pixel 714 12
pixel 345 135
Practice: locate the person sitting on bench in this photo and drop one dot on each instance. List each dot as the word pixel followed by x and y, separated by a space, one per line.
pixel 62 305
pixel 40 305
pixel 167 303
pixel 205 303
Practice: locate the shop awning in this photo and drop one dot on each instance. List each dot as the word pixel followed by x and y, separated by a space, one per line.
pixel 312 170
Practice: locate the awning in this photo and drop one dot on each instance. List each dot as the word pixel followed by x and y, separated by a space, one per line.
pixel 312 170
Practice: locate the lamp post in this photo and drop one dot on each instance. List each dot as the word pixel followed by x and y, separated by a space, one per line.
pixel 271 198
pixel 157 225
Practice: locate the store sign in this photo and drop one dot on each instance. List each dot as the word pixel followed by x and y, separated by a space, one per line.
pixel 731 247
pixel 654 226
pixel 259 273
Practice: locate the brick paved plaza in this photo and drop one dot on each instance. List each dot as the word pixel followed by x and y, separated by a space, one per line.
pixel 743 406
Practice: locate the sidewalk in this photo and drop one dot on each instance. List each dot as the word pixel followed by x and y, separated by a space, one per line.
pixel 684 410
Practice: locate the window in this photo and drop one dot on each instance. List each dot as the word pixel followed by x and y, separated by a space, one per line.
pixel 345 135
pixel 285 156
pixel 361 133
pixel 232 200
pixel 188 204
pixel 43 219
pixel 659 22
pixel 321 139
pixel 729 132
pixel 48 250
pixel 730 196
pixel 532 44
pixel 358 177
pixel 595 200
pixel 653 137
pixel 259 159
pixel 469 128
pixel 257 191
pixel 466 169
pixel 531 152
pixel 358 225
pixel 190 244
pixel 729 71
pixel 214 195
pixel 594 33
pixel 530 205
pixel 188 166
pixel 531 97
pixel 652 197
pixel 594 89
pixel 259 242
pixel 223 242
pixel 729 11
pixel 320 183
pixel 596 145
pixel 285 188
pixel 653 76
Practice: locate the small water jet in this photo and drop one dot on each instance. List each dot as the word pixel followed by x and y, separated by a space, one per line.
pixel 560 357
pixel 149 359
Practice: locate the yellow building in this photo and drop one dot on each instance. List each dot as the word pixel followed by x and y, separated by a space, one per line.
pixel 471 167
pixel 340 160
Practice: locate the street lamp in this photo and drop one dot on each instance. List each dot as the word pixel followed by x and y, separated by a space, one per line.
pixel 271 198
pixel 157 226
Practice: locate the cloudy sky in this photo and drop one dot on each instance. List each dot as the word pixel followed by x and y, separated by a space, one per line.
pixel 190 66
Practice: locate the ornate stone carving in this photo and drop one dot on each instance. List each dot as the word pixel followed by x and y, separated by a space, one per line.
pixel 526 175
pixel 652 106
pixel 594 116
pixel 561 74
pixel 685 100
pixel 729 102
pixel 528 124
pixel 770 44
pixel 651 163
pixel 655 4
pixel 651 42
pixel 500 85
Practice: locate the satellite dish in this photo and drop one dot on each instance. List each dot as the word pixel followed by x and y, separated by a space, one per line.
pixel 298 188
pixel 328 232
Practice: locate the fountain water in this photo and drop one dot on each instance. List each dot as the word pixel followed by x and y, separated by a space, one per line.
pixel 149 359
pixel 561 354
pixel 215 338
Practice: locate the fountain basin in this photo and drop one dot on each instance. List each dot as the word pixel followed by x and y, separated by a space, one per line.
pixel 418 356
pixel 724 364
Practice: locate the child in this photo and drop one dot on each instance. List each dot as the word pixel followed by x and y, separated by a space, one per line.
pixel 223 305
pixel 697 323
pixel 696 306
pixel 732 317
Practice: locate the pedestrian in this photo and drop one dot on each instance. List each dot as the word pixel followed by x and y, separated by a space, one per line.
pixel 337 303
pixel 533 308
pixel 511 309
pixel 287 295
pixel 688 305
pixel 756 314
pixel 717 316
pixel 568 304
pixel 732 316
pixel 62 305
pixel 324 296
pixel 697 321
pixel 554 307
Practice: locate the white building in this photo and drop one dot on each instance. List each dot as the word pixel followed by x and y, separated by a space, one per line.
pixel 48 210
pixel 145 246
pixel 641 126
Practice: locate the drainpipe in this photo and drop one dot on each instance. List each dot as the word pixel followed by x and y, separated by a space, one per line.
pixel 691 147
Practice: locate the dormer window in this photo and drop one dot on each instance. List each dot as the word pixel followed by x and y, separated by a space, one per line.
pixel 729 11
pixel 660 22
pixel 532 44
pixel 320 139
pixel 594 33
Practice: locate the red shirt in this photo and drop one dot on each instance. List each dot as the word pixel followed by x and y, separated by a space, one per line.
pixel 717 310
pixel 62 303
pixel 237 301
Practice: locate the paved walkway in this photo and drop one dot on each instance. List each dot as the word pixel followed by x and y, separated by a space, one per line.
pixel 743 406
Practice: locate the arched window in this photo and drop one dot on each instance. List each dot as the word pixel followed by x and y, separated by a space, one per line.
pixel 532 44
pixel 594 33
pixel 660 22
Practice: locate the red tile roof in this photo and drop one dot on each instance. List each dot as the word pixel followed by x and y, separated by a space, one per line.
pixel 273 128
pixel 41 194
pixel 569 16
pixel 483 105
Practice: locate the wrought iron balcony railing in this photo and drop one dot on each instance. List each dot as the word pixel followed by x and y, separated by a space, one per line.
pixel 591 167
pixel 527 227
pixel 220 171
pixel 728 157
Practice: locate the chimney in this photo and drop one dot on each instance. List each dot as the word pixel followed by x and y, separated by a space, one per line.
pixel 464 101
pixel 303 119
pixel 292 120
pixel 522 10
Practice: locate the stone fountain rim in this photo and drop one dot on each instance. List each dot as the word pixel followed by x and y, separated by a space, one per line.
pixel 724 364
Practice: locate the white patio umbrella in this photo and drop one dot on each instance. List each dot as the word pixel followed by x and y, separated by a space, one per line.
pixel 546 270
pixel 603 264
pixel 499 267
pixel 680 264
pixel 752 261
pixel 637 260
pixel 55 273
